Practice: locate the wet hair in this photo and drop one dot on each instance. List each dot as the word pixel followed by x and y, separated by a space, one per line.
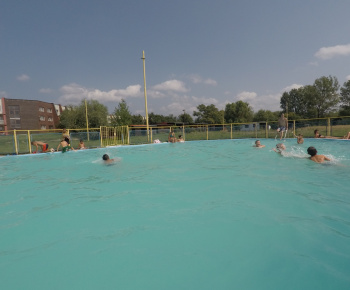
pixel 105 157
pixel 81 140
pixel 315 131
pixel 180 136
pixel 66 139
pixel 257 141
pixel 311 151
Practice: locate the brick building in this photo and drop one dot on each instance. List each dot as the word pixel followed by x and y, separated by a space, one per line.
pixel 16 114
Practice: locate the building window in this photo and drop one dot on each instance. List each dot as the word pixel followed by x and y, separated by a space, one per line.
pixel 42 118
pixel 14 111
pixel 49 119
pixel 43 127
pixel 50 127
pixel 41 109
pixel 49 110
pixel 1 128
pixel 15 123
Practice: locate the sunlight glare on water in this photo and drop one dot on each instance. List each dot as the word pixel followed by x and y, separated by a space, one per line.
pixel 193 215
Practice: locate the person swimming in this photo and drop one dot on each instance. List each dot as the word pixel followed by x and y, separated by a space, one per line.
pixel 280 147
pixel 318 158
pixel 106 159
pixel 258 144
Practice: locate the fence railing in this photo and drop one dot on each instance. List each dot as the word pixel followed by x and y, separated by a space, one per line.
pixel 19 141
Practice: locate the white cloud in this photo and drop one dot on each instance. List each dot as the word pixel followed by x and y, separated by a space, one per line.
pixel 332 51
pixel 196 79
pixel 171 85
pixel 205 101
pixel 247 96
pixel 45 91
pixel 3 94
pixel 23 78
pixel 74 93
pixel 291 87
pixel 176 108
pixel 210 82
pixel 347 78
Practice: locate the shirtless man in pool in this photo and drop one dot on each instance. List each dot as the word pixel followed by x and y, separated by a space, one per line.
pixel 318 158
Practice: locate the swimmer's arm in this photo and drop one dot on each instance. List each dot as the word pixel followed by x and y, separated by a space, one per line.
pixel 59 145
pixel 326 158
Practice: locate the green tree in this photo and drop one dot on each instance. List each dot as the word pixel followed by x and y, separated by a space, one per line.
pixel 208 114
pixel 239 112
pixel 68 118
pixel 244 113
pixel 264 115
pixel 121 115
pixel 345 99
pixel 154 119
pixel 74 117
pixel 185 118
pixel 137 119
pixel 170 119
pixel 327 95
pixel 230 113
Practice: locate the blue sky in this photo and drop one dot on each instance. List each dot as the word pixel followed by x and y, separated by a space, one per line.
pixel 197 52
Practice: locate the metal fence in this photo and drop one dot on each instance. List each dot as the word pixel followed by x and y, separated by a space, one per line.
pixel 19 141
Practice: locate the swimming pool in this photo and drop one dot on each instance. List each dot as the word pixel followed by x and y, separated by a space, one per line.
pixel 194 215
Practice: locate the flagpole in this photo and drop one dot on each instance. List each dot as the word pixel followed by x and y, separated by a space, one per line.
pixel 144 81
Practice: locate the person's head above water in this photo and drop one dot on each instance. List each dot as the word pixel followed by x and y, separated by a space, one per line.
pixel 281 146
pixel 105 157
pixel 311 151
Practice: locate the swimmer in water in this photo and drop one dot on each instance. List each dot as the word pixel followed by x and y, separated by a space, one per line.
pixel 258 144
pixel 280 147
pixel 107 160
pixel 318 158
pixel 300 139
pixel 180 139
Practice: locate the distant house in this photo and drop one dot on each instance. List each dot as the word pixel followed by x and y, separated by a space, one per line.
pixel 18 114
pixel 250 127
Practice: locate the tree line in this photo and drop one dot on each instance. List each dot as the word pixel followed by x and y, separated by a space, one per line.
pixel 324 98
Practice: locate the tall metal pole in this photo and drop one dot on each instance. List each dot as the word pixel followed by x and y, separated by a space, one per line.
pixel 144 81
pixel 87 121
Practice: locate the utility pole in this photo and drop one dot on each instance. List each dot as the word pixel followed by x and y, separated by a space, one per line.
pixel 144 81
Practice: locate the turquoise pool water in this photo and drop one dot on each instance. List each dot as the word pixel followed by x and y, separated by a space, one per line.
pixel 194 215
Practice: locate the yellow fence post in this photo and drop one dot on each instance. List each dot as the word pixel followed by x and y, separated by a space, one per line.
pixel 183 132
pixel 29 143
pixel 293 128
pixel 127 130
pixel 266 131
pixel 101 137
pixel 207 132
pixel 231 131
pixel 15 139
